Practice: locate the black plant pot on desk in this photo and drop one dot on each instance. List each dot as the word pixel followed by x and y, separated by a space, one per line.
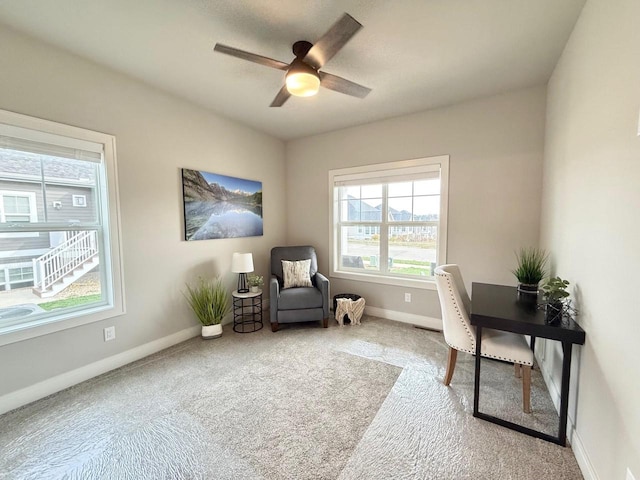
pixel 528 288
pixel 554 312
pixel 528 294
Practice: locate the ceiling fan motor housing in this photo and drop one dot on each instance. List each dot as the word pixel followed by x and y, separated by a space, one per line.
pixel 302 79
pixel 301 48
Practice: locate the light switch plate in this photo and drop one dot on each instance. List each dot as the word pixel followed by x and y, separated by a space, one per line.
pixel 630 475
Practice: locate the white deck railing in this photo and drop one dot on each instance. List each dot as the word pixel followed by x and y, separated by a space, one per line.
pixel 49 268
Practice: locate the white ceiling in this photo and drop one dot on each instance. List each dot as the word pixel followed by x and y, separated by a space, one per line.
pixel 414 54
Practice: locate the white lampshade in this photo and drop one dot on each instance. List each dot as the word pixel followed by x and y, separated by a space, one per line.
pixel 242 263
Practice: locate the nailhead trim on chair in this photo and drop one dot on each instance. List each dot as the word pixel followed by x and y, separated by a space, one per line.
pixel 447 276
pixel 460 349
pixel 519 362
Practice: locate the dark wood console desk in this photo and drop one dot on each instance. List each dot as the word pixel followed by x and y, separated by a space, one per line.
pixel 500 308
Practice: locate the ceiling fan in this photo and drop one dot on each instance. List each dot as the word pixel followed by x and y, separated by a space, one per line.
pixel 304 77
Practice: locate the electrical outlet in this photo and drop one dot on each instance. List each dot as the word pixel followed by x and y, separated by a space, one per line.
pixel 407 297
pixel 109 334
pixel 630 475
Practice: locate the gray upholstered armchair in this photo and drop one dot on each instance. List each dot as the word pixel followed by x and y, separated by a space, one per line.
pixel 297 304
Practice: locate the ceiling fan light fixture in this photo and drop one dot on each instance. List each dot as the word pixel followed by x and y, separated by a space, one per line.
pixel 303 84
pixel 302 80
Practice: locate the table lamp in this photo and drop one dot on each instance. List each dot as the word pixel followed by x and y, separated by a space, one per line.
pixel 242 263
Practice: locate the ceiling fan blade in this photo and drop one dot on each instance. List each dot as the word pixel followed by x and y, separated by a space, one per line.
pixel 282 96
pixel 342 85
pixel 332 41
pixel 252 57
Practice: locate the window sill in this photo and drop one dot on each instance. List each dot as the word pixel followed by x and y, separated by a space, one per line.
pixel 387 280
pixel 44 326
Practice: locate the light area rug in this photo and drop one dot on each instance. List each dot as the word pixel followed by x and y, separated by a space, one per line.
pixel 425 430
pixel 252 406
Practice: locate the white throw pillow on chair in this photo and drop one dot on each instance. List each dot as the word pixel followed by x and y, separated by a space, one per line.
pixel 296 274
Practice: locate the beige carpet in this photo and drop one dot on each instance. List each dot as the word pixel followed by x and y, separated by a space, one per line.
pixel 304 403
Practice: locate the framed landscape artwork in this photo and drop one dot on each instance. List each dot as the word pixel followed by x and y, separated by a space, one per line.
pixel 218 206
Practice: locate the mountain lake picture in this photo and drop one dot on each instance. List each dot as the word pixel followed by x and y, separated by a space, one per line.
pixel 217 206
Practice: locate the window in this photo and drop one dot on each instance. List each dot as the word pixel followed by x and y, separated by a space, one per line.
pixel 389 221
pixel 15 275
pixel 17 207
pixel 20 274
pixel 59 266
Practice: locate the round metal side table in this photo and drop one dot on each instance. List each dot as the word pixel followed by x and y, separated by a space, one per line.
pixel 247 311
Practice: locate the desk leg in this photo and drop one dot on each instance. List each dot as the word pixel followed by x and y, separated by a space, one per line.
pixel 476 387
pixel 533 350
pixel 564 392
pixel 561 439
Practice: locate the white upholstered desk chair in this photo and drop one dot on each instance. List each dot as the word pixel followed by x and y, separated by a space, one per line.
pixel 461 335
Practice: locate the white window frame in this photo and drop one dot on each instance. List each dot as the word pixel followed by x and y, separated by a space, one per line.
pixel 111 254
pixel 400 169
pixel 33 212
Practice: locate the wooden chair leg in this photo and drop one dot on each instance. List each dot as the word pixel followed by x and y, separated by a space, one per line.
pixel 274 326
pixel 518 370
pixel 325 322
pixel 526 388
pixel 451 365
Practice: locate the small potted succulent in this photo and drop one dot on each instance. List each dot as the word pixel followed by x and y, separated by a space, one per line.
pixel 209 300
pixel 531 269
pixel 255 282
pixel 555 294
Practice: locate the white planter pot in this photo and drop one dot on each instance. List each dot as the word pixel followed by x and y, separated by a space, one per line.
pixel 254 289
pixel 211 331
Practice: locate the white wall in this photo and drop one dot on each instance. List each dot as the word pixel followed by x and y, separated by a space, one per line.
pixel 156 135
pixel 495 146
pixel 591 224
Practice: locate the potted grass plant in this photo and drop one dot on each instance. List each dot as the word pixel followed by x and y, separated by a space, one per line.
pixel 531 269
pixel 209 300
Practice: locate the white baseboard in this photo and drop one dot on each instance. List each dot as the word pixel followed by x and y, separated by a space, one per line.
pixel 411 318
pixel 55 384
pixel 579 451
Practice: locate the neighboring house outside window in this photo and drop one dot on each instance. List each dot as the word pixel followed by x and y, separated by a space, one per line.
pixel 389 221
pixel 46 243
